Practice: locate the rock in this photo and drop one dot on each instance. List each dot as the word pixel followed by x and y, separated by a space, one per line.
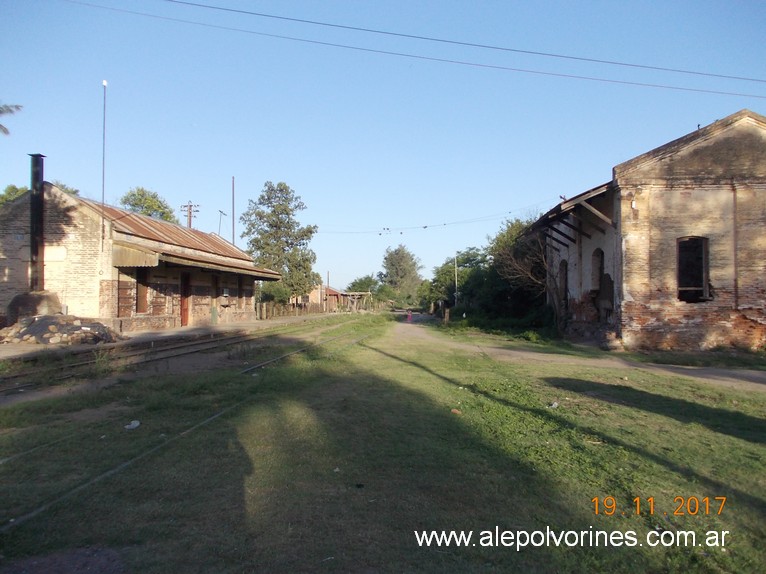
pixel 26 305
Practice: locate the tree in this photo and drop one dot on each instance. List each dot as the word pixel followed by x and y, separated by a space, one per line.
pixel 470 266
pixel 65 188
pixel 7 109
pixel 521 257
pixel 277 241
pixel 145 202
pixel 400 272
pixel 11 192
pixel 363 284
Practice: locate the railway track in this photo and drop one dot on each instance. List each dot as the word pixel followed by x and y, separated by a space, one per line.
pixel 335 339
pixel 29 374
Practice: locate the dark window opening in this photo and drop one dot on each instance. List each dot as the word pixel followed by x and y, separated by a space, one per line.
pixel 596 269
pixel 563 286
pixel 693 280
pixel 142 289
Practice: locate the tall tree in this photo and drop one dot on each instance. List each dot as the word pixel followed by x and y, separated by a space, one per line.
pixel 145 202
pixel 400 272
pixel 7 110
pixel 276 239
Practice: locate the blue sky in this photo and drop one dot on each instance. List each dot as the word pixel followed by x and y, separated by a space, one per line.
pixel 438 153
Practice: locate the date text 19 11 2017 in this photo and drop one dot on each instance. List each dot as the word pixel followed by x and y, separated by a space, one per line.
pixel 682 505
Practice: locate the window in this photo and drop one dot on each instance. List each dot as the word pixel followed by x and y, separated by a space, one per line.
pixel 596 269
pixel 693 279
pixel 563 285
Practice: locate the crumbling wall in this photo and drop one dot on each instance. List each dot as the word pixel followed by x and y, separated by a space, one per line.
pixel 715 190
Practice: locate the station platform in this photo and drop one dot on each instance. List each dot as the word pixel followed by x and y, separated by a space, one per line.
pixel 28 351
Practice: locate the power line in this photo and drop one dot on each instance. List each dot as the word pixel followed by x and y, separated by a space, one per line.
pixel 430 226
pixel 465 44
pixel 421 57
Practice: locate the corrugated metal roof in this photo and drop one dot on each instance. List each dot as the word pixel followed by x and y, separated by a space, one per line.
pixel 165 232
pixel 174 235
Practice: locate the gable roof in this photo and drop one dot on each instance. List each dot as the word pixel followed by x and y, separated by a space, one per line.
pixel 700 135
pixel 176 240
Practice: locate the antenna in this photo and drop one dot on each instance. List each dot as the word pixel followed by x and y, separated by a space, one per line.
pixel 222 214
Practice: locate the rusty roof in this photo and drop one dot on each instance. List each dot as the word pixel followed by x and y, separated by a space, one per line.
pixel 147 227
pixel 173 234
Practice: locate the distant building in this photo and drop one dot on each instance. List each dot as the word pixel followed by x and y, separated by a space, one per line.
pixel 129 271
pixel 671 253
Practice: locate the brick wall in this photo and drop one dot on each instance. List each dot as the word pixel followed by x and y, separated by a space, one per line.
pixel 713 189
pixel 78 268
pixel 14 252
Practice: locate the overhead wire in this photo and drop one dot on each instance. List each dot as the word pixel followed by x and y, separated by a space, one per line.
pixel 424 227
pixel 461 43
pixel 423 57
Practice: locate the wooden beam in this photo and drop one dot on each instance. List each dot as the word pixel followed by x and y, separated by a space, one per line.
pixel 597 213
pixel 588 222
pixel 574 228
pixel 554 239
pixel 564 235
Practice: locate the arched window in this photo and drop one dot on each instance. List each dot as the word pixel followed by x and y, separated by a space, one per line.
pixel 693 275
pixel 596 269
pixel 563 284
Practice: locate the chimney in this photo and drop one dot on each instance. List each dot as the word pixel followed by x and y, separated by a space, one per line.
pixel 36 236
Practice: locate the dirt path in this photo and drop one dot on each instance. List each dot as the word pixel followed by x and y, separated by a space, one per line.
pixel 734 378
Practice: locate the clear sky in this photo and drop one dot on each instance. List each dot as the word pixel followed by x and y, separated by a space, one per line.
pixel 389 140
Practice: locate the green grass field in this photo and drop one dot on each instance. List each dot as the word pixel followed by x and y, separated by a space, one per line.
pixel 331 460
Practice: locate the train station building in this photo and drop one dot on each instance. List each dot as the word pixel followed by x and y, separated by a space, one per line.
pixel 128 271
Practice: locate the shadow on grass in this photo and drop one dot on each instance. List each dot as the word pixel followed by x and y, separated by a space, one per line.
pixel 304 469
pixel 758 501
pixel 295 469
pixel 728 422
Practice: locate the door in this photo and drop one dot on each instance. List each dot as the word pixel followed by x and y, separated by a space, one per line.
pixel 185 297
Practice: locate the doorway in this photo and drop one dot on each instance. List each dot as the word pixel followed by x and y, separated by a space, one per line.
pixel 185 297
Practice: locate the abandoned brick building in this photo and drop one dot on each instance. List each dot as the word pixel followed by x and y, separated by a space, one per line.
pixel 129 271
pixel 671 253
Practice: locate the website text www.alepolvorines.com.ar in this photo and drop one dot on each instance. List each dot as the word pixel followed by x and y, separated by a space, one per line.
pixel 523 539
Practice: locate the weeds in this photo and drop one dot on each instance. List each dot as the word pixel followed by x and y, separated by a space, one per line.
pixel 333 462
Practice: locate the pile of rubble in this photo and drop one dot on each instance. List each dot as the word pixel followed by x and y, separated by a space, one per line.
pixel 58 329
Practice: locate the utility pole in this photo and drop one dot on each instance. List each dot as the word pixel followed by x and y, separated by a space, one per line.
pixel 189 209
pixel 455 279
pixel 232 210
pixel 103 169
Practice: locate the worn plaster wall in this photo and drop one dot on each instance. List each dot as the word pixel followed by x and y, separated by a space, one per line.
pixel 75 259
pixel 14 252
pixel 593 262
pixel 713 188
pixel 231 302
pixel 72 240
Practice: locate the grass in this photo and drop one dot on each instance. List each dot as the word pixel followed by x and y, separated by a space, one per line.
pixel 543 341
pixel 330 460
